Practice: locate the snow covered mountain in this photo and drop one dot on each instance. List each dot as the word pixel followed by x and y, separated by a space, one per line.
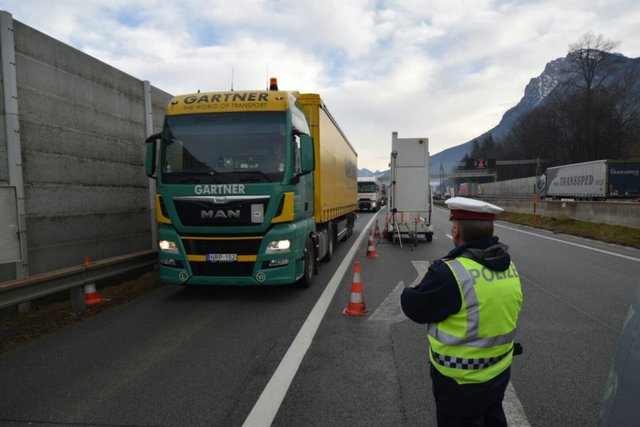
pixel 555 74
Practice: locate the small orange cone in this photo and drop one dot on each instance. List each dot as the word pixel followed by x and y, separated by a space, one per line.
pixel 371 248
pixel 376 233
pixel 356 305
pixel 90 294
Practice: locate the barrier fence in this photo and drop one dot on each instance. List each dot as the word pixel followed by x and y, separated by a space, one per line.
pixel 20 291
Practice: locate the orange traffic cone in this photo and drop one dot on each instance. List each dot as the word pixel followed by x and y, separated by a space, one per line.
pixel 376 233
pixel 371 248
pixel 356 305
pixel 91 295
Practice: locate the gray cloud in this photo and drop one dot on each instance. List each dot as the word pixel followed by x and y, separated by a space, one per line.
pixel 445 69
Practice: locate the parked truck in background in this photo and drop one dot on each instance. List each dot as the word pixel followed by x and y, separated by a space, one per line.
pixel 599 179
pixel 370 193
pixel 253 187
pixel 468 189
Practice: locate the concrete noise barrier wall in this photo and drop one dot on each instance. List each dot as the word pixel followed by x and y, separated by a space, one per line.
pixel 72 150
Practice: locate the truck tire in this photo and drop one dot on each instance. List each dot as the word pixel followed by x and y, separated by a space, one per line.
pixel 351 219
pixel 309 264
pixel 331 242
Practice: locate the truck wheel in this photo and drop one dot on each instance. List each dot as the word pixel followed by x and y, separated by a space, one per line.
pixel 309 264
pixel 331 243
pixel 351 221
pixel 349 232
pixel 428 236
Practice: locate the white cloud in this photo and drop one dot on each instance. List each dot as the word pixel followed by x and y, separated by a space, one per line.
pixel 445 69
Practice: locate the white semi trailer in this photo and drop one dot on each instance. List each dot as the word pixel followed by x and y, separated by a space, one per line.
pixel 411 199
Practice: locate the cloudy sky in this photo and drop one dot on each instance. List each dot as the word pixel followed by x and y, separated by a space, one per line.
pixel 444 69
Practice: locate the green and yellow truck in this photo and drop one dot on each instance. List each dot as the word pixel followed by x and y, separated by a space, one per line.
pixel 253 187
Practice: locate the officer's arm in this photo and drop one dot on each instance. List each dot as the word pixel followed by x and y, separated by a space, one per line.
pixel 435 298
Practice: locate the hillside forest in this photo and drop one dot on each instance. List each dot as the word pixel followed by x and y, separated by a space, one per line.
pixel 591 115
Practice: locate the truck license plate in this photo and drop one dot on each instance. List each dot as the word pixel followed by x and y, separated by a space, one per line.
pixel 222 257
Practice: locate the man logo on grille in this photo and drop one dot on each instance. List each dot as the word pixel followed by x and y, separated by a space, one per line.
pixel 220 214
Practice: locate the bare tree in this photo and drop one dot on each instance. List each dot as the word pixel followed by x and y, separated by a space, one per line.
pixel 593 114
pixel 588 59
pixel 591 63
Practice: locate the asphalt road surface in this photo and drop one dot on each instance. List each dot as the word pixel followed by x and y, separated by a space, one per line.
pixel 288 357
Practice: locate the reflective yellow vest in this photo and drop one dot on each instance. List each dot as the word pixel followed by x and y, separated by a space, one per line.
pixel 476 344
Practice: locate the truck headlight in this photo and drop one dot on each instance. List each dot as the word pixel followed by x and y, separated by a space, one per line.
pixel 168 246
pixel 278 246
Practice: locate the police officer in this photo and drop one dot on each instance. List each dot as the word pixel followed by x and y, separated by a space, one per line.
pixel 470 301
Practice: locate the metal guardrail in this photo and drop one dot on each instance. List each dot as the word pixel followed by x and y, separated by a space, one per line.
pixel 18 291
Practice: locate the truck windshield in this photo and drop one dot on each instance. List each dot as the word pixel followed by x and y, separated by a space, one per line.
pixel 224 147
pixel 367 187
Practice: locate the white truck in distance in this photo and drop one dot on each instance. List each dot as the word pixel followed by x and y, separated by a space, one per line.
pixel 370 195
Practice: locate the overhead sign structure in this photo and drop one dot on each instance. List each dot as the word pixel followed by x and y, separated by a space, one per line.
pixel 483 163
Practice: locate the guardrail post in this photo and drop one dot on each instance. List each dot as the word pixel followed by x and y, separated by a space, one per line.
pixel 77 299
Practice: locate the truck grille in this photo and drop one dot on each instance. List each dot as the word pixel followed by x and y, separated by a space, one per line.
pixel 230 210
pixel 364 204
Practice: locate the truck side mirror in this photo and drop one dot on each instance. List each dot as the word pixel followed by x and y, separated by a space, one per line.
pixel 150 163
pixel 307 158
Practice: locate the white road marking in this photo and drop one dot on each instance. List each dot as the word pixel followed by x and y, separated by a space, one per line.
pixel 390 309
pixel 266 408
pixel 570 243
pixel 513 408
pixel 421 267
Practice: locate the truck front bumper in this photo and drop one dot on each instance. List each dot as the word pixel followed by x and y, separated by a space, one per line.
pixel 246 261
pixel 367 205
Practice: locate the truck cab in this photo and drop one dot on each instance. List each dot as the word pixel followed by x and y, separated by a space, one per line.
pixel 240 181
pixel 370 194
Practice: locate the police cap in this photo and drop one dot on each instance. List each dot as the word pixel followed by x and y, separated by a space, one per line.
pixel 464 208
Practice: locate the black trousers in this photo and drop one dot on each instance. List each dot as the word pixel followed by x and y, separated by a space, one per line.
pixel 467 405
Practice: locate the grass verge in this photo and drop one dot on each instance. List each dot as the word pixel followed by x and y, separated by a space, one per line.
pixel 618 234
